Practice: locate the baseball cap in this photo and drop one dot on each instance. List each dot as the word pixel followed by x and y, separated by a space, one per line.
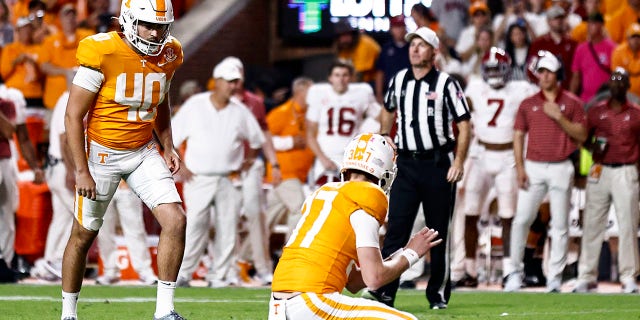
pixel 22 21
pixel 633 30
pixel 426 34
pixel 478 6
pixel 397 21
pixel 234 61
pixel 595 17
pixel 227 71
pixel 547 60
pixel 555 12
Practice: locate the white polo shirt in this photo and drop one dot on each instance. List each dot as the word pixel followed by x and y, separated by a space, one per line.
pixel 215 138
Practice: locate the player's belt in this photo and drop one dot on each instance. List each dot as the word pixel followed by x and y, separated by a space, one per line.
pixel 285 295
pixel 422 155
pixel 496 146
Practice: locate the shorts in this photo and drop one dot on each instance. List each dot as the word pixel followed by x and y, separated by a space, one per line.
pixel 144 170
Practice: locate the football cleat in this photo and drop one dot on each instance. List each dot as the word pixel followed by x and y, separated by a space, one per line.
pixel 171 316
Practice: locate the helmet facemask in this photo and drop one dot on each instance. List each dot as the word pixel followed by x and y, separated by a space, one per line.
pixel 142 12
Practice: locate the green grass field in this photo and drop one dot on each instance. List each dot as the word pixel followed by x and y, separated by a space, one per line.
pixel 30 302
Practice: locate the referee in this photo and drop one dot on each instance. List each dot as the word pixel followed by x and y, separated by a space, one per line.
pixel 427 103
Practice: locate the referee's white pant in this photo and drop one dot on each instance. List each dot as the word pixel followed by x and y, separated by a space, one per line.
pixel 201 193
pixel 556 178
pixel 306 306
pixel 620 186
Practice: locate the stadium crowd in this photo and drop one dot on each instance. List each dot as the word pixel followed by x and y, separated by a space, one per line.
pixel 551 87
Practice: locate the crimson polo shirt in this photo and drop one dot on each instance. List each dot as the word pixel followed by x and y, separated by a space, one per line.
pixel 547 142
pixel 621 128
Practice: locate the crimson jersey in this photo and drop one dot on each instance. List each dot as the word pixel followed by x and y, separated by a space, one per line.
pixel 322 248
pixel 494 110
pixel 133 87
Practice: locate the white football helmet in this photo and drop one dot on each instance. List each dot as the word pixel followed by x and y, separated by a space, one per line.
pixel 371 153
pixel 151 11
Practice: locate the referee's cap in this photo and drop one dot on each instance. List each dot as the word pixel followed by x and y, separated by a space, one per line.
pixel 429 36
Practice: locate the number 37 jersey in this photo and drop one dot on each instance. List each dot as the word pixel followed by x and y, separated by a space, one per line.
pixel 133 86
pixel 494 110
pixel 322 247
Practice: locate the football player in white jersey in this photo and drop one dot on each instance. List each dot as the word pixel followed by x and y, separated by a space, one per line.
pixel 336 113
pixel 495 102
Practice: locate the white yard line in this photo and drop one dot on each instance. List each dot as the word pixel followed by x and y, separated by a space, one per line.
pixel 126 299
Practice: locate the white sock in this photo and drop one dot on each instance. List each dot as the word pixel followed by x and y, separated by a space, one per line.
pixel 470 267
pixel 164 299
pixel 69 304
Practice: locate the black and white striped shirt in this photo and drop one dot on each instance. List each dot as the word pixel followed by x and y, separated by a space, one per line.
pixel 425 110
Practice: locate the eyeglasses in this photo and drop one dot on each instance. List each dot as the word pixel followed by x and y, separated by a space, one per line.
pixel 617 77
pixel 37 15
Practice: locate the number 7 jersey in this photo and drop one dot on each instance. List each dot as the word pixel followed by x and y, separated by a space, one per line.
pixel 494 110
pixel 124 112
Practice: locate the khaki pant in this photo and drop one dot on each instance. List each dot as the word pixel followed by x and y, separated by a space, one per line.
pixel 618 186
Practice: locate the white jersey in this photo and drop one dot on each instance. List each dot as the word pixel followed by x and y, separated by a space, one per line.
pixel 494 110
pixel 339 116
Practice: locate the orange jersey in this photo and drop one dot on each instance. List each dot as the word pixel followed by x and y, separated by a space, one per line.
pixel 363 57
pixel 60 52
pixel 322 248
pixel 618 24
pixel 126 104
pixel 288 120
pixel 24 76
pixel 622 56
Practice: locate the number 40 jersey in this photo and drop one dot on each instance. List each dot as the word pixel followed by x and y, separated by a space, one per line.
pixel 494 110
pixel 132 87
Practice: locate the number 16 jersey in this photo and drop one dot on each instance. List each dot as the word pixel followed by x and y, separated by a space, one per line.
pixel 124 112
pixel 339 116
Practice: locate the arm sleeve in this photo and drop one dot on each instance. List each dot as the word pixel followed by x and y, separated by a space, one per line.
pixel 456 100
pixel 253 134
pixel 179 124
pixel 366 228
pixel 313 110
pixel 390 102
pixel 89 79
pixel 282 143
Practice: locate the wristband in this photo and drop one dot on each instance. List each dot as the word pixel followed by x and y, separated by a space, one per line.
pixel 411 256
